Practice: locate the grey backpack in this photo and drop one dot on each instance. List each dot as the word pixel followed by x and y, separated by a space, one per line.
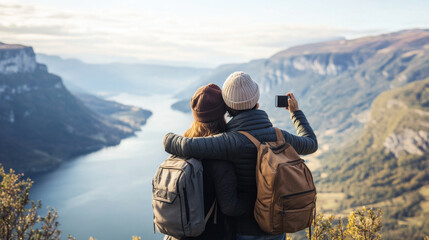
pixel 177 198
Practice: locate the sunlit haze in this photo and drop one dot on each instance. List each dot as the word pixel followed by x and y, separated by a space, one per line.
pixel 195 33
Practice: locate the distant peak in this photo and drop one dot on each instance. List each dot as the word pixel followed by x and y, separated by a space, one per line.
pixel 16 58
pixel 395 40
pixel 12 46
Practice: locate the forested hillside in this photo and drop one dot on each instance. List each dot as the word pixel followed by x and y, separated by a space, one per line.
pixel 387 165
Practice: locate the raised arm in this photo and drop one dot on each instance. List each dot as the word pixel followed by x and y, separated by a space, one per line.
pixel 306 141
pixel 222 146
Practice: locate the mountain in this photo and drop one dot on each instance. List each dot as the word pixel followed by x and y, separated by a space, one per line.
pixel 120 77
pixel 335 82
pixel 127 118
pixel 368 101
pixel 41 122
pixel 387 165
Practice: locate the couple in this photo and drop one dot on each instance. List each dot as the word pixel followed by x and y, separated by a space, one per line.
pixel 229 157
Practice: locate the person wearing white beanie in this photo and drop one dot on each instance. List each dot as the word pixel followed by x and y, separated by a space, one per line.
pixel 240 92
pixel 241 95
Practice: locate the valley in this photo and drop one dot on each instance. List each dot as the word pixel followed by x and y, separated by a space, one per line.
pixel 115 78
pixel 42 123
pixel 367 100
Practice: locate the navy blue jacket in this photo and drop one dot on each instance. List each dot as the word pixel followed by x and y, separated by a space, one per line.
pixel 235 147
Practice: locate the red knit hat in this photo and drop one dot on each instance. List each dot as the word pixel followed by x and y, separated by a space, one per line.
pixel 207 104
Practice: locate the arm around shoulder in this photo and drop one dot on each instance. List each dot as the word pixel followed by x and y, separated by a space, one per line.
pixel 221 146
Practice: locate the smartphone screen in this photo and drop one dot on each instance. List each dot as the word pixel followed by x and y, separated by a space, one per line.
pixel 281 101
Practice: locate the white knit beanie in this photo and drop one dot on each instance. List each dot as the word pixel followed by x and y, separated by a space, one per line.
pixel 240 92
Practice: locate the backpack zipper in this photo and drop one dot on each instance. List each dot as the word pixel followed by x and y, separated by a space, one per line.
pixel 294 161
pixel 300 193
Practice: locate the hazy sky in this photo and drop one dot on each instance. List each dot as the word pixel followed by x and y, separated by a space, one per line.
pixel 198 32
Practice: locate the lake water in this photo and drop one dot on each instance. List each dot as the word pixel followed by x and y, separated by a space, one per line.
pixel 107 194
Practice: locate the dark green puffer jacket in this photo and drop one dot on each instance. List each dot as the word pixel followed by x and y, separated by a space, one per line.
pixel 235 147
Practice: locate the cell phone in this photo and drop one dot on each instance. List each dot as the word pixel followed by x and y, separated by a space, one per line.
pixel 282 101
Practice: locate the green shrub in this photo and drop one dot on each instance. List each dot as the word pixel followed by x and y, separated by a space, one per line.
pixel 18 221
pixel 362 224
pixel 19 218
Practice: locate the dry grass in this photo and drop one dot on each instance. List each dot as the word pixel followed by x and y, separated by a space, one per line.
pixel 329 202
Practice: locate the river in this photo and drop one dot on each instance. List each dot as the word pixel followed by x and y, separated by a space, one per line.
pixel 107 194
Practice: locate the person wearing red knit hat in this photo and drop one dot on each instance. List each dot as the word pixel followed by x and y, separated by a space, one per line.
pixel 220 182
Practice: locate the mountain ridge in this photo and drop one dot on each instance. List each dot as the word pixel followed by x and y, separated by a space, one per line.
pixel 340 46
pixel 367 81
pixel 330 83
pixel 41 122
pixel 115 78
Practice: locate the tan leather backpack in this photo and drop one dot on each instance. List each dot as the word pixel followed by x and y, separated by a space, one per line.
pixel 286 199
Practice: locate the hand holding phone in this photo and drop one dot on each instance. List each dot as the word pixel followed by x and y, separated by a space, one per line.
pixel 287 101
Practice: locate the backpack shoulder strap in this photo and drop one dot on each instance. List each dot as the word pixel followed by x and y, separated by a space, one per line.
pixel 212 208
pixel 251 138
pixel 279 135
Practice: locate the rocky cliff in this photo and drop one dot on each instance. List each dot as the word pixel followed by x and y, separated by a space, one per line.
pixel 335 82
pixel 41 122
pixel 17 58
pixel 407 142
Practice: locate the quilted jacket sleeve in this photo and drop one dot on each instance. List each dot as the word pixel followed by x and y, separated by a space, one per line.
pixel 222 146
pixel 306 141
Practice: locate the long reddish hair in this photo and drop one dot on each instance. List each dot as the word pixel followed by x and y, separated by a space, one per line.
pixel 200 129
